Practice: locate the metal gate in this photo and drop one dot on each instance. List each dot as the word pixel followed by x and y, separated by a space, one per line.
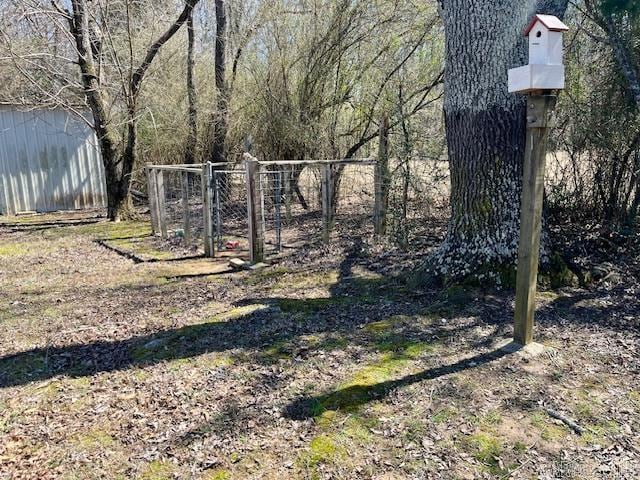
pixel 271 196
pixel 230 210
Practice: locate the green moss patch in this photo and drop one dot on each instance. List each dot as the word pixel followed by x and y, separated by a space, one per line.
pixel 487 449
pixel 218 474
pixel 158 470
pixel 369 382
pixel 15 249
pixel 324 449
pixel 444 415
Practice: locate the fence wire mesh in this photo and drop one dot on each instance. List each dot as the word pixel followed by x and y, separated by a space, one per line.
pixel 414 186
pixel 300 203
pixel 354 186
pixel 182 204
pixel 292 196
pixel 230 210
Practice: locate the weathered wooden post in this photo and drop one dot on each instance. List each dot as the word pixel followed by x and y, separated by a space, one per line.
pixel 162 209
pixel 152 194
pixel 382 180
pixel 327 202
pixel 287 191
pixel 186 220
pixel 207 194
pixel 538 79
pixel 254 209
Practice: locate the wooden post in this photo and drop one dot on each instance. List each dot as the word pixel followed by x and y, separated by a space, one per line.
pixel 539 110
pixel 162 210
pixel 327 204
pixel 153 200
pixel 382 180
pixel 185 208
pixel 254 209
pixel 287 191
pixel 207 197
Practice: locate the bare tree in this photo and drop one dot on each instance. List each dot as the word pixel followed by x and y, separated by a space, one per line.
pixel 192 114
pixel 617 19
pixel 221 113
pixel 100 35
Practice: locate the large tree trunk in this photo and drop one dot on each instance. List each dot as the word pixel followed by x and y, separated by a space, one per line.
pixel 79 26
pixel 220 116
pixel 485 128
pixel 192 115
pixel 118 168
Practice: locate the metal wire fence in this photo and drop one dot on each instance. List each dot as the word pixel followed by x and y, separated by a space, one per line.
pixel 177 205
pixel 354 201
pixel 297 203
pixel 230 210
pixel 307 202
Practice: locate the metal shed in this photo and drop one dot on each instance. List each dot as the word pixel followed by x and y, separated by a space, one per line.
pixel 49 160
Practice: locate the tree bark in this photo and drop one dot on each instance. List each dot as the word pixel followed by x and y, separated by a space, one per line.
pixel 118 165
pixel 220 116
pixel 192 115
pixel 79 27
pixel 485 129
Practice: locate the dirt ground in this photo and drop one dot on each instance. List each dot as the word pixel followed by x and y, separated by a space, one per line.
pixel 324 365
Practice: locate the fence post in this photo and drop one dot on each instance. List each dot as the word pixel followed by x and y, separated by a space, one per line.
pixel 539 110
pixel 153 199
pixel 185 208
pixel 254 209
pixel 278 205
pixel 327 207
pixel 287 192
pixel 382 180
pixel 162 208
pixel 207 194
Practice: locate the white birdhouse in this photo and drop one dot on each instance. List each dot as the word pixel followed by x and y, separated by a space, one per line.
pixel 545 70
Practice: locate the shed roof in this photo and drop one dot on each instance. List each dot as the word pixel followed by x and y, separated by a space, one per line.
pixel 552 22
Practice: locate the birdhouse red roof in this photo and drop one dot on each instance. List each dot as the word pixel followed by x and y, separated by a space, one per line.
pixel 552 23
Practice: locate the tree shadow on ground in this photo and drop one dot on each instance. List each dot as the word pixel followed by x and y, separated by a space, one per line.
pixel 614 309
pixel 353 396
pixel 47 225
pixel 353 304
pixel 274 321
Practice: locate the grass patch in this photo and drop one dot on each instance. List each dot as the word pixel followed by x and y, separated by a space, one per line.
pixel 95 439
pixel 140 248
pixel 14 250
pixel 324 449
pixel 598 433
pixel 444 415
pixel 238 312
pixel 22 366
pixel 404 348
pixel 103 230
pixel 278 350
pixel 548 431
pixel 486 449
pixel 354 427
pixel 218 474
pixel 369 382
pixel 381 327
pixel 266 275
pixel 329 342
pixel 158 470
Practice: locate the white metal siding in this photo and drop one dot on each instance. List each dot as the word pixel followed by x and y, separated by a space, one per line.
pixel 49 160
